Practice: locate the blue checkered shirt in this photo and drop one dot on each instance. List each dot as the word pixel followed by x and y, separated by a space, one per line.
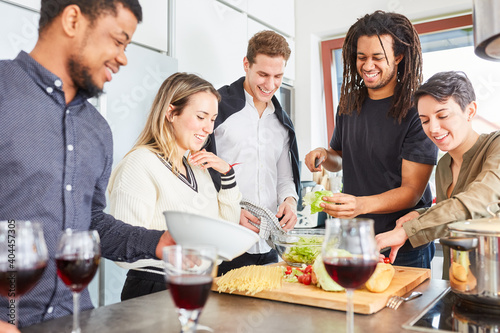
pixel 55 162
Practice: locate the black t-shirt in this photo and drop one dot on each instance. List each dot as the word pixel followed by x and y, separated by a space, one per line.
pixel 373 146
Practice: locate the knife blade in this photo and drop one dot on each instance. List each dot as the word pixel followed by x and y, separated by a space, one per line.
pixel 318 161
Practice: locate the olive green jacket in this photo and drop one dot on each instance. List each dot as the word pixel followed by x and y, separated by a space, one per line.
pixel 478 185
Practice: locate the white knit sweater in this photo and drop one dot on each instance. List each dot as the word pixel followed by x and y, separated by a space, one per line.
pixel 142 187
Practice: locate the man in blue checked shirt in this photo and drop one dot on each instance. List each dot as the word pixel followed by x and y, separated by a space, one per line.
pixel 55 147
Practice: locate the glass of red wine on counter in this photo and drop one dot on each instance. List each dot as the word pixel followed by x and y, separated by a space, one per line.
pixel 189 272
pixel 23 258
pixel 350 256
pixel 77 259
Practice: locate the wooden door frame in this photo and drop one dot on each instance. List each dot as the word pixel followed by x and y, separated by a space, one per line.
pixel 327 60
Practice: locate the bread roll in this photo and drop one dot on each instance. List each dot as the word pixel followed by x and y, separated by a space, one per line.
pixel 381 278
pixel 470 280
pixel 459 272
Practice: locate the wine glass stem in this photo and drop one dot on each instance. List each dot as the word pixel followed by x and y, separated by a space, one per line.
pixel 13 310
pixel 76 312
pixel 350 311
pixel 188 319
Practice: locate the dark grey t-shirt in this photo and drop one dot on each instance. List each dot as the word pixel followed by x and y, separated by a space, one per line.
pixel 373 146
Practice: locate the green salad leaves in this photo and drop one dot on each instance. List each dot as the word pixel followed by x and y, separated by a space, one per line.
pixel 314 199
pixel 305 250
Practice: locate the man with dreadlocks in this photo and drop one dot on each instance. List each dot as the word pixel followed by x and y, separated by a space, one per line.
pixel 378 139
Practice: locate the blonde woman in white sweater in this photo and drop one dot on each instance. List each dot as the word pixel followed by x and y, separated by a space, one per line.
pixel 166 170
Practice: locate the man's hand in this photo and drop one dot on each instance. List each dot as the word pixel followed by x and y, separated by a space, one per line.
pixel 246 216
pixel 287 211
pixel 8 328
pixel 393 239
pixel 165 240
pixel 316 154
pixel 343 205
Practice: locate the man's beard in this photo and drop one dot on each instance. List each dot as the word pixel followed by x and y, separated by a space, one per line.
pixel 80 74
pixel 385 80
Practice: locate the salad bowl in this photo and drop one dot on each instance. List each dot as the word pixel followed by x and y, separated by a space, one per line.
pixel 298 246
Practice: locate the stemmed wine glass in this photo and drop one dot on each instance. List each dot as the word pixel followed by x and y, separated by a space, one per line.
pixel 350 256
pixel 77 258
pixel 189 272
pixel 23 258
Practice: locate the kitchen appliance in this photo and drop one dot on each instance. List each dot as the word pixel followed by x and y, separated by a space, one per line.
pixel 475 259
pixel 486 17
pixel 450 313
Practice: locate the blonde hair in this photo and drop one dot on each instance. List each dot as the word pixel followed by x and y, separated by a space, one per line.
pixel 158 134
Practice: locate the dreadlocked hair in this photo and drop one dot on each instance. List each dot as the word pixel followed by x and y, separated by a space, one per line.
pixel 406 42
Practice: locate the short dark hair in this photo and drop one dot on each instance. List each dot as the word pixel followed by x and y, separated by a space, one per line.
pixel 92 9
pixel 269 43
pixel 406 42
pixel 443 85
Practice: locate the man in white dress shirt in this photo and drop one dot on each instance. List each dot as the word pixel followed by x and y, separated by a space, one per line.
pixel 255 135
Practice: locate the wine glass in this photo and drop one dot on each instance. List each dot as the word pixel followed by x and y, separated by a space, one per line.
pixel 189 272
pixel 77 258
pixel 350 256
pixel 23 258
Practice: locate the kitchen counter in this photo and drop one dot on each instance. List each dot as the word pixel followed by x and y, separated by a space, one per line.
pixel 232 313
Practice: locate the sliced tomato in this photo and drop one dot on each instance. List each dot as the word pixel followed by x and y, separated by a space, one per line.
pixel 308 269
pixel 306 279
pixel 387 260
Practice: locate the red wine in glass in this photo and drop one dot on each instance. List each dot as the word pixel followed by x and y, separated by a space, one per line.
pixel 349 272
pixel 350 256
pixel 189 272
pixel 190 291
pixel 21 281
pixel 23 258
pixel 77 258
pixel 77 272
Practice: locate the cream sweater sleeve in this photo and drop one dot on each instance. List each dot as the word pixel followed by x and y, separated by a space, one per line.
pixel 229 198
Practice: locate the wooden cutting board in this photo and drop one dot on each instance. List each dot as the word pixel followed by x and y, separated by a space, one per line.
pixel 365 302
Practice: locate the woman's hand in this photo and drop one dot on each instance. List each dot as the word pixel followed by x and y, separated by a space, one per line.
pixel 408 217
pixel 209 160
pixel 393 239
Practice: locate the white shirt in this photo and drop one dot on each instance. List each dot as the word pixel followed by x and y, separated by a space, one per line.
pixel 261 145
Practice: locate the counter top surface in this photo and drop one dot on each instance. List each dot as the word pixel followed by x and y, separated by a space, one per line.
pixel 233 313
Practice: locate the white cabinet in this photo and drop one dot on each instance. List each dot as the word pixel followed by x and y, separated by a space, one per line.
pixel 254 27
pixel 279 14
pixel 19 29
pixel 31 4
pixel 211 40
pixel 153 31
pixel 240 4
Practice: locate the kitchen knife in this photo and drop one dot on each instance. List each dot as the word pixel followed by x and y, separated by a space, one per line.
pixel 318 161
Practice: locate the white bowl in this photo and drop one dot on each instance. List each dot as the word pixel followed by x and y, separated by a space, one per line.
pixel 231 239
